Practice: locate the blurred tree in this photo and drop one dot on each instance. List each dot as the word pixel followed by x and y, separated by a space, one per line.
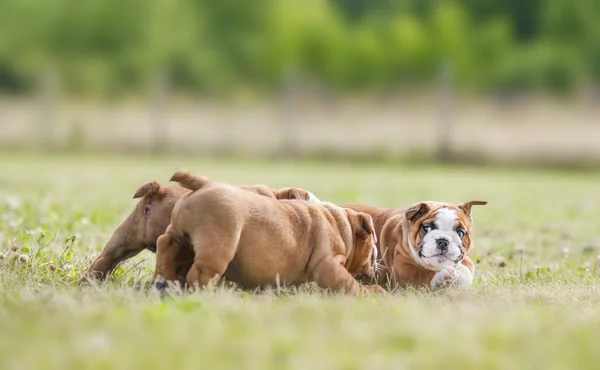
pixel 110 47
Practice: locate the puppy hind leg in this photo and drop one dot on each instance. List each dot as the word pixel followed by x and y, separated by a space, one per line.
pixel 168 256
pixel 212 258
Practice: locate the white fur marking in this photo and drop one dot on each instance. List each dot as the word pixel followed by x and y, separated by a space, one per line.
pixel 465 277
pixel 431 253
pixel 459 277
pixel 375 251
pixel 312 198
pixel 445 219
pixel 375 263
pixel 444 278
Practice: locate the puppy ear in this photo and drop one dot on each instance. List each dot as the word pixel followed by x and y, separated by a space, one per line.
pixel 415 211
pixel 300 194
pixel 466 207
pixel 290 193
pixel 149 188
pixel 293 194
pixel 366 224
pixel 303 194
pixel 274 192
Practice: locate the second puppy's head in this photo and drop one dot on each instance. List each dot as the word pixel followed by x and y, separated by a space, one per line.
pixel 362 262
pixel 439 234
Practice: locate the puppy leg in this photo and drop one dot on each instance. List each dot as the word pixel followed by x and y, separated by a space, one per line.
pixel 411 275
pixel 460 277
pixel 213 255
pixel 465 277
pixel 332 274
pixel 445 278
pixel 172 261
pixel 107 261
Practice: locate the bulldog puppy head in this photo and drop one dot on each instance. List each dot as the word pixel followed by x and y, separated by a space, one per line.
pixel 140 230
pixel 362 262
pixel 439 234
pixel 296 193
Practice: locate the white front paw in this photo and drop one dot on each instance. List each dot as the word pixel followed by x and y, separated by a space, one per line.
pixel 445 278
pixel 465 277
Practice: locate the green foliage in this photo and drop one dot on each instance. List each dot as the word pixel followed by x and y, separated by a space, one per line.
pixel 108 46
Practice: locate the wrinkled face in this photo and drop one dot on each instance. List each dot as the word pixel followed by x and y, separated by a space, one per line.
pixel 443 240
pixel 363 260
pixel 439 233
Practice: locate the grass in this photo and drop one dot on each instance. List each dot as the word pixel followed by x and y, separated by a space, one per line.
pixel 534 304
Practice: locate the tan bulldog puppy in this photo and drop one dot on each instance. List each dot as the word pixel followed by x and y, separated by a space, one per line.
pixel 139 230
pixel 424 245
pixel 256 241
pixel 150 218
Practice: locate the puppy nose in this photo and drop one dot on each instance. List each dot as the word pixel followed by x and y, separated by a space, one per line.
pixel 161 284
pixel 442 244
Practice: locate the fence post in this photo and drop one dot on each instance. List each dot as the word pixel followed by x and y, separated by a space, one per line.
pixel 288 144
pixel 47 109
pixel 159 112
pixel 445 111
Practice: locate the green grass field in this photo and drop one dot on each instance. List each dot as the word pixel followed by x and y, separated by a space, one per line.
pixel 535 303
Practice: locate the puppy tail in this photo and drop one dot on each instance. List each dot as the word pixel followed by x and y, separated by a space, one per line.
pixel 190 181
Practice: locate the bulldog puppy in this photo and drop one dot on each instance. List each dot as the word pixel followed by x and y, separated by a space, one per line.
pixel 426 244
pixel 150 218
pixel 138 231
pixel 222 231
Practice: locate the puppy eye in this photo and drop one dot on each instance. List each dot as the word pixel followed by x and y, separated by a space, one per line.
pixel 146 209
pixel 427 228
pixel 461 233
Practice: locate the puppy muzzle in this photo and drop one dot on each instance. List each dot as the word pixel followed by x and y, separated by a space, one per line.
pixel 442 253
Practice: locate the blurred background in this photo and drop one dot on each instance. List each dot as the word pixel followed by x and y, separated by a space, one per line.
pixel 482 81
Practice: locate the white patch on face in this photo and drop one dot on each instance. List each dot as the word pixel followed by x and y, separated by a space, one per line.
pixel 312 198
pixel 445 219
pixel 442 246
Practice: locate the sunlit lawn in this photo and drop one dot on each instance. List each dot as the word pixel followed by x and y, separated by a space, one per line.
pixel 535 303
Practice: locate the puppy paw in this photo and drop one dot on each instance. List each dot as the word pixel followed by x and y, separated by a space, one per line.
pixel 465 277
pixel 445 278
pixel 373 289
pixel 160 283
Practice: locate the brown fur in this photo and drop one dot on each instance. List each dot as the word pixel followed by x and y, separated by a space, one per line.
pixel 395 226
pixel 196 182
pixel 254 241
pixel 140 231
